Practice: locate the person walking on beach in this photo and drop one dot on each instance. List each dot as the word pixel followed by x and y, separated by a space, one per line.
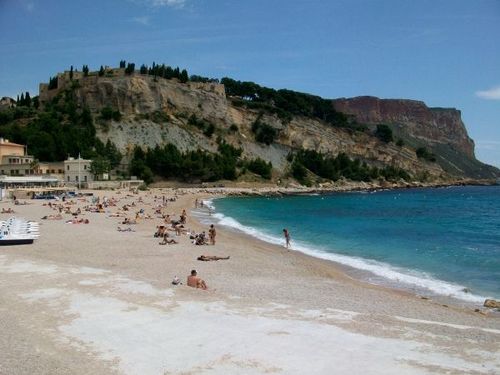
pixel 286 233
pixel 195 282
pixel 211 234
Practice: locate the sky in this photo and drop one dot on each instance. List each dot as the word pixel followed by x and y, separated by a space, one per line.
pixel 445 53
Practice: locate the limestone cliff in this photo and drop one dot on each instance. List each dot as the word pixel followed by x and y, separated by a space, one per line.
pixel 156 112
pixel 439 129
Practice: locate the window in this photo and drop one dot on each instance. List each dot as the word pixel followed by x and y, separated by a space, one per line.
pixel 68 179
pixel 85 178
pixel 76 178
pixel 85 167
pixel 67 167
pixel 26 171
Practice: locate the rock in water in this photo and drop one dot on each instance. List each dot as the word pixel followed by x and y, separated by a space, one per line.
pixel 492 304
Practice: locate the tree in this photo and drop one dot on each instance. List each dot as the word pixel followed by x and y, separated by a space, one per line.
pixel 52 83
pixel 101 71
pixel 99 166
pixel 85 70
pixel 71 72
pixel 423 153
pixel 130 68
pixel 27 99
pixel 143 69
pixel 260 167
pixel 184 77
pixel 264 133
pixel 123 63
pixel 384 133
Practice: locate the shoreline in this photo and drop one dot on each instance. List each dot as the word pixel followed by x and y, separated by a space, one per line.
pixel 356 274
pixel 105 293
pixel 341 186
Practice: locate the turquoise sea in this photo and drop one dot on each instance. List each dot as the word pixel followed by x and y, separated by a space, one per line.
pixel 443 241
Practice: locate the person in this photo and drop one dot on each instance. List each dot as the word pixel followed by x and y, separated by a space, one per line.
pixel 211 234
pixel 286 233
pixel 195 282
pixel 207 258
pixel 167 240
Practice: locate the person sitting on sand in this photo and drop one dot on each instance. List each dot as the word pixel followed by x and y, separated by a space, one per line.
pixel 200 239
pixel 195 282
pixel 207 258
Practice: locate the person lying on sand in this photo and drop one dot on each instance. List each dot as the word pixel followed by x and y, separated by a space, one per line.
pixel 125 230
pixel 7 211
pixel 78 221
pixel 129 221
pixel 52 217
pixel 167 240
pixel 195 282
pixel 207 258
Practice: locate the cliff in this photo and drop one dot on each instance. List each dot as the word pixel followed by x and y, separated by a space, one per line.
pixel 439 129
pixel 157 111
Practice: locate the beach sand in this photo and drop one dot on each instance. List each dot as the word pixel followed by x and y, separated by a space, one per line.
pixel 87 299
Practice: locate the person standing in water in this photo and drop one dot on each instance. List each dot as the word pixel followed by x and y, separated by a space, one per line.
pixel 286 233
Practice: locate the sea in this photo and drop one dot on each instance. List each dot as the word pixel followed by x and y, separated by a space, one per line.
pixel 432 242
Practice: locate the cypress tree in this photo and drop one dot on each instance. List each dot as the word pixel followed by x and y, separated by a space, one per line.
pixel 184 76
pixel 71 72
pixel 101 71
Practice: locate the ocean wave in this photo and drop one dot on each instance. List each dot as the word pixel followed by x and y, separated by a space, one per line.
pixel 403 277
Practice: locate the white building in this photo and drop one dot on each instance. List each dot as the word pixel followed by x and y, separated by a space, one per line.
pixel 77 171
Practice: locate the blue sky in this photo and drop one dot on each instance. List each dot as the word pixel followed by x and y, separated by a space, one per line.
pixel 445 53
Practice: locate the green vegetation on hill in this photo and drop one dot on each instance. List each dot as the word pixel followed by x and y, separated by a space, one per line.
pixel 423 153
pixel 59 130
pixel 333 168
pixel 194 166
pixel 384 133
pixel 285 103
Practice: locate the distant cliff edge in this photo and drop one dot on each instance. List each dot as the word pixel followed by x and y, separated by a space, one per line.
pixel 439 129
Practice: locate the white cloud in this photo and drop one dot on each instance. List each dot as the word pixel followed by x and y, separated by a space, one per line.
pixel 170 3
pixel 161 3
pixel 143 20
pixel 491 94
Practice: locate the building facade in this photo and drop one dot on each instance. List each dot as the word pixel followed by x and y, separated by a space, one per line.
pixel 14 160
pixel 77 171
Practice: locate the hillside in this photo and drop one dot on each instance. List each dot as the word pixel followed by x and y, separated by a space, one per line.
pixel 135 109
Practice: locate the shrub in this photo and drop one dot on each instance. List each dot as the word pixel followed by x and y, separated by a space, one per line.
pixel 107 113
pixel 209 130
pixel 264 133
pixel 423 153
pixel 260 167
pixel 384 133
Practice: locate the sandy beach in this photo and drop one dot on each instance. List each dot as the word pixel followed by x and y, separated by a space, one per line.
pixel 88 299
